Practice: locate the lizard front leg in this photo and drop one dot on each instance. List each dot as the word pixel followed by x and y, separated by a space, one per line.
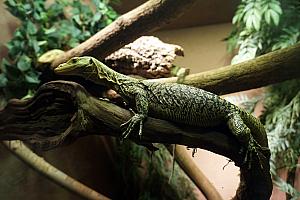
pixel 243 134
pixel 139 117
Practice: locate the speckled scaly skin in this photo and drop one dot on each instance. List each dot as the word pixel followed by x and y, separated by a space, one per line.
pixel 170 101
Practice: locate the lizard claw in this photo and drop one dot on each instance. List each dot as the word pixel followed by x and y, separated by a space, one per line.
pixel 252 148
pixel 141 129
pixel 131 124
pixel 125 124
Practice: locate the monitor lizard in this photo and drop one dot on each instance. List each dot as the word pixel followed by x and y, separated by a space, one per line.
pixel 171 101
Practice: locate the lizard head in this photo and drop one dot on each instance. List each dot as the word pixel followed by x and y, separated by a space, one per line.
pixel 79 66
pixel 90 69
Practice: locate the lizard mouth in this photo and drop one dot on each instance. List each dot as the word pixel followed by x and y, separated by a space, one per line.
pixel 62 69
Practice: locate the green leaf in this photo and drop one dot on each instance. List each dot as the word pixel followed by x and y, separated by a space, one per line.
pixel 256 19
pixel 249 6
pixel 249 22
pixel 3 80
pixel 77 19
pixel 97 17
pixel 35 46
pixel 4 64
pixel 32 78
pixel 18 34
pixel 275 17
pixel 112 14
pixel 267 16
pixel 276 7
pixel 27 6
pixel 50 30
pixel 11 3
pixel 236 19
pixel 24 63
pixel 31 28
pixel 41 43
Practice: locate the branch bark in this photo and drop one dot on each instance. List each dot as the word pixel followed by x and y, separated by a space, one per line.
pixel 84 115
pixel 267 69
pixel 142 20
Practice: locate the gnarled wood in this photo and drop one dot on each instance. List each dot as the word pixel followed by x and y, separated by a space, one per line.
pixel 84 115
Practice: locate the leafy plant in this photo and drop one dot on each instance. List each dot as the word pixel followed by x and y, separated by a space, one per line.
pixel 261 26
pixel 60 25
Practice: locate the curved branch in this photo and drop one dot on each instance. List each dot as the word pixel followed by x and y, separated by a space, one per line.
pixel 140 21
pixel 85 115
pixel 38 163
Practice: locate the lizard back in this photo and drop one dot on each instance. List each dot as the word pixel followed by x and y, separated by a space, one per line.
pixel 185 104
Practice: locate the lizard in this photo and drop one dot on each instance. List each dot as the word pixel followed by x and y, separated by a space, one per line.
pixel 174 102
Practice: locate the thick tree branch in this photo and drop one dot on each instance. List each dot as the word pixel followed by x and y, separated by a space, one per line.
pixel 267 69
pixel 84 115
pixel 143 20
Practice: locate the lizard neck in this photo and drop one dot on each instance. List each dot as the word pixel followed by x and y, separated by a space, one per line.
pixel 106 76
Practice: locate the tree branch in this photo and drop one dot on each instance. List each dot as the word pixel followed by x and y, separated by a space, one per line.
pixel 189 166
pixel 140 21
pixel 63 111
pixel 267 69
pixel 39 164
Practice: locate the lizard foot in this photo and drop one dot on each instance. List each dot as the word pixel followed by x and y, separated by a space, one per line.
pixel 252 149
pixel 131 124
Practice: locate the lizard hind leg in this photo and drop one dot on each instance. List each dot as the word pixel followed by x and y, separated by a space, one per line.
pixel 240 130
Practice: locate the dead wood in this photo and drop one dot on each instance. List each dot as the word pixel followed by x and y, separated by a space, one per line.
pixel 147 57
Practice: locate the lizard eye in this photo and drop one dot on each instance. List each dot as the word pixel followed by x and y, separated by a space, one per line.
pixel 73 61
pixel 91 61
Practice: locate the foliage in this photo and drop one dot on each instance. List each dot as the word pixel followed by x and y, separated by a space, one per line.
pixel 60 25
pixel 146 176
pixel 261 26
